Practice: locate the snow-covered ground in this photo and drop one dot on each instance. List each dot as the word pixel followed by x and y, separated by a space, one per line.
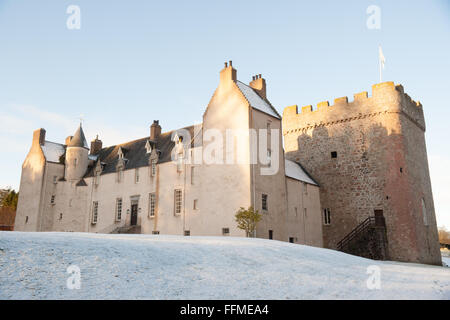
pixel 34 266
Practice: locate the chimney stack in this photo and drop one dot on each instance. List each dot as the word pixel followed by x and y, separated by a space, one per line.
pixel 259 84
pixel 155 130
pixel 228 73
pixel 39 137
pixel 96 145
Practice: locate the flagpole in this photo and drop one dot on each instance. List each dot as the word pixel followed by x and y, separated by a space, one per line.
pixel 379 63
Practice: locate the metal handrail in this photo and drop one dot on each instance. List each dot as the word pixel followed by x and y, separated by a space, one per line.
pixel 361 227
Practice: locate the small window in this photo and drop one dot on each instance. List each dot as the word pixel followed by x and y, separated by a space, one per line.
pixel 152 205
pixel 153 169
pixel 97 178
pixel 326 216
pixel 180 162
pixel 268 127
pixel 291 239
pixel 401 170
pixel 55 179
pixel 94 212
pixel 225 231
pixel 269 157
pixel 296 212
pixel 136 175
pixel 195 204
pixel 264 204
pixel 305 188
pixel 424 213
pixel 192 175
pixel 187 232
pixel 155 232
pixel 75 162
pixel 178 199
pixel 118 209
pixel 119 175
pixel 26 219
pixel 333 154
pixel 60 216
pixel 52 200
pixel 270 234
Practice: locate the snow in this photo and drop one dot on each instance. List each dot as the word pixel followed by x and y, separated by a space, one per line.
pixel 293 170
pixel 52 151
pixel 255 100
pixel 34 266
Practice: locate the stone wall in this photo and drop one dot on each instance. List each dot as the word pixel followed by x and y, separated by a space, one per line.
pixel 378 163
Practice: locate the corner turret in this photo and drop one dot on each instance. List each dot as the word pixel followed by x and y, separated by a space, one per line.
pixel 76 156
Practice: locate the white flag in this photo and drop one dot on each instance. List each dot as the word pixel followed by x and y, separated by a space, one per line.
pixel 382 59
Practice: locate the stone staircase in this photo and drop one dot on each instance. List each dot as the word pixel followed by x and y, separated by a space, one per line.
pixel 367 240
pixel 127 229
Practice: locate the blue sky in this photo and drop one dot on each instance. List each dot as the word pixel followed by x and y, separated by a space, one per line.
pixel 135 61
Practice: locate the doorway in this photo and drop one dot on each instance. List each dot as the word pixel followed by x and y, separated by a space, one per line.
pixel 134 213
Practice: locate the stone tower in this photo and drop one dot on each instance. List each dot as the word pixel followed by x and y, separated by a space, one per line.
pixel 369 155
pixel 76 156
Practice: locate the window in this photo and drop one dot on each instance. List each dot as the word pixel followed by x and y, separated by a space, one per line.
pixel 153 169
pixel 268 127
pixel 75 161
pixel 118 209
pixel 55 179
pixel 305 212
pixel 424 213
pixel 152 204
pixel 94 212
pixel 26 219
pixel 333 154
pixel 60 216
pixel 270 234
pixel 291 240
pixel 225 231
pixel 136 175
pixel 178 198
pixel 269 157
pixel 180 162
pixel 305 188
pixel 326 216
pixel 119 175
pixel 187 232
pixel 52 200
pixel 296 212
pixel 192 175
pixel 155 232
pixel 195 204
pixel 264 202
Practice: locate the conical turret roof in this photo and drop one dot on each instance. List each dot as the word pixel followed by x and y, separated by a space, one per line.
pixel 78 139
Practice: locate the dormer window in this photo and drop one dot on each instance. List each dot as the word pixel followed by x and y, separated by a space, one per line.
pixel 148 147
pixel 120 153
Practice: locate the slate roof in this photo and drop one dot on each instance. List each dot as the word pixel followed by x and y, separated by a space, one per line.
pixel 295 170
pixel 256 101
pixel 53 151
pixel 136 154
pixel 78 139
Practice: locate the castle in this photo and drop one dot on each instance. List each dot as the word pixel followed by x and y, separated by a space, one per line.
pixel 353 176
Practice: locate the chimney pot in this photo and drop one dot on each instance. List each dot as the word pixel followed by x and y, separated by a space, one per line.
pixel 231 63
pixel 226 65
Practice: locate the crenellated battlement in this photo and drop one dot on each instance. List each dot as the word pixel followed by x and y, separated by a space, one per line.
pixel 386 98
